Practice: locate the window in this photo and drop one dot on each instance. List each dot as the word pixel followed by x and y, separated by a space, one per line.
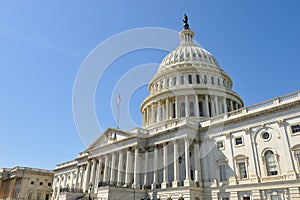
pixel 298 157
pixel 295 128
pixel 222 171
pixel 220 145
pixel 30 195
pixel 49 184
pixel 190 79
pixel 192 112
pixel 205 79
pixel 218 80
pixel 225 198
pixel 242 170
pixel 167 82
pixel 32 182
pixel 39 195
pixel 271 163
pixel 200 108
pixel 238 141
pixel 41 183
pixel 198 79
pixel 174 80
pixel 246 198
pixel 212 81
pixel 182 109
pixel 265 136
pixel 182 80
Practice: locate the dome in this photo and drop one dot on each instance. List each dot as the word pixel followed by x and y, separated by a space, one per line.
pixel 188 84
pixel 188 52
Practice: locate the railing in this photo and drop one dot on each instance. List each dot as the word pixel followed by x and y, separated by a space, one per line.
pixel 71 190
pixel 253 108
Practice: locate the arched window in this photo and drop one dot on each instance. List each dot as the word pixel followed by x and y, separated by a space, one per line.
pixel 197 78
pixel 212 81
pixel 174 80
pixel 271 163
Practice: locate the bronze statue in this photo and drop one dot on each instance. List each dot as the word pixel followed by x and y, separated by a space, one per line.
pixel 185 21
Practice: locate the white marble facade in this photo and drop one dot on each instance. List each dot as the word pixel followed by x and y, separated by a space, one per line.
pixel 197 141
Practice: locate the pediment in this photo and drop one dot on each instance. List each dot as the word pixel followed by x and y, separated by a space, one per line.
pixel 109 136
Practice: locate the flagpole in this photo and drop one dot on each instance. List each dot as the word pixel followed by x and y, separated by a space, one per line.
pixel 118 116
pixel 118 104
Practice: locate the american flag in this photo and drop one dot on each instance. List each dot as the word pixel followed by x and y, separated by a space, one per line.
pixel 119 100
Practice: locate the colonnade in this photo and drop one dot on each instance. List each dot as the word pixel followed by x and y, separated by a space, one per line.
pixel 133 167
pixel 187 106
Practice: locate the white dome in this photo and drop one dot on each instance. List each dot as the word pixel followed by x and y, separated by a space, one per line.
pixel 188 52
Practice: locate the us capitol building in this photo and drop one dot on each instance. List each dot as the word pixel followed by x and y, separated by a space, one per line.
pixel 197 141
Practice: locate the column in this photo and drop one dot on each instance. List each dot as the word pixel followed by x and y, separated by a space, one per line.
pixel 176 108
pixel 207 114
pixel 65 181
pixel 197 164
pixel 217 105
pixel 167 109
pixel 81 179
pixel 128 169
pixel 213 106
pixel 87 177
pixel 93 173
pixel 148 116
pixel 146 168
pixel 136 183
pixel 99 176
pixel 236 105
pixel 120 168
pixel 294 193
pixel 72 180
pixel 113 170
pixel 196 106
pixel 234 195
pixel 59 183
pixel 77 177
pixel 176 165
pixel 187 112
pixel 155 173
pixel 231 105
pixel 187 181
pixel 53 188
pixel 152 114
pixel 225 105
pixel 105 174
pixel 158 111
pixel 165 183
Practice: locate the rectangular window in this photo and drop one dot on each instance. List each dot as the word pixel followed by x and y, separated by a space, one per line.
pixel 275 197
pixel 182 109
pixel 295 128
pixel 190 79
pixel 174 80
pixel 205 79
pixel 192 112
pixel 225 198
pixel 182 80
pixel 238 141
pixel 220 145
pixel 212 81
pixel 222 171
pixel 218 81
pixel 198 79
pixel 167 82
pixel 246 198
pixel 298 158
pixel 242 170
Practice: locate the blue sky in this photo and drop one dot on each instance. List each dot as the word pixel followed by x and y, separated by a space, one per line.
pixel 43 44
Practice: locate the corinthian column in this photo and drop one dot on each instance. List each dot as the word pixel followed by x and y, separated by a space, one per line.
pixel 187 181
pixel 136 183
pixel 120 168
pixel 165 159
pixel 113 170
pixel 176 165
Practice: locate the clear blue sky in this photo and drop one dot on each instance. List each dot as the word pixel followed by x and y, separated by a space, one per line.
pixel 42 45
